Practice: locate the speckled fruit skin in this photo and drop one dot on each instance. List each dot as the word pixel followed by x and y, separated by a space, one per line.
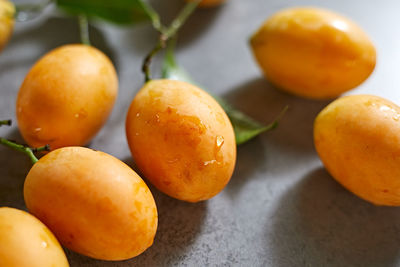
pixel 94 203
pixel 209 3
pixel 7 11
pixel 26 242
pixel 66 97
pixel 181 139
pixel 313 53
pixel 358 140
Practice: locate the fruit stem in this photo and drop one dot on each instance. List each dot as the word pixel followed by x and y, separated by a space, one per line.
pixel 84 29
pixel 29 151
pixel 166 34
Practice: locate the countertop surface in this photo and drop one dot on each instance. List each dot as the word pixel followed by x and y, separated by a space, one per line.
pixel 281 207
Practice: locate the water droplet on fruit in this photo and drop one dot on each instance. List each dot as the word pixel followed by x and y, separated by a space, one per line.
pixel 38 129
pixel 44 244
pixel 219 141
pixel 209 162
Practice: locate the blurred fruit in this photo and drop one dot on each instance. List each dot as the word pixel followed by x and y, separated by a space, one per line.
pixel 7 11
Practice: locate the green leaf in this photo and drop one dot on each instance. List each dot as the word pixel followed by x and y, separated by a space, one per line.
pixel 244 126
pixel 117 11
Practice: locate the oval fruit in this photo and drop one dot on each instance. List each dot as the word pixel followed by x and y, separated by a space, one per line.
pixel 209 3
pixel 94 203
pixel 181 139
pixel 26 242
pixel 313 52
pixel 358 140
pixel 66 97
pixel 7 11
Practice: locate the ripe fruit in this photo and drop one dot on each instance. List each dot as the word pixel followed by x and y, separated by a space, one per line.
pixel 313 52
pixel 94 203
pixel 7 11
pixel 181 139
pixel 66 97
pixel 26 242
pixel 358 140
pixel 209 3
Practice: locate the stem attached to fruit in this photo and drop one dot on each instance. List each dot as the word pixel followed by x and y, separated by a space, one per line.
pixel 166 34
pixel 84 29
pixel 29 151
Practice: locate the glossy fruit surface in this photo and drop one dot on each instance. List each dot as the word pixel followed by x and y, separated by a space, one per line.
pixel 66 97
pixel 312 52
pixel 181 139
pixel 358 140
pixel 26 242
pixel 94 203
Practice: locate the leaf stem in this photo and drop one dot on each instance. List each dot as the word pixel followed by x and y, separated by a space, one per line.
pixel 5 122
pixel 166 34
pixel 154 17
pixel 24 149
pixel 177 23
pixel 84 29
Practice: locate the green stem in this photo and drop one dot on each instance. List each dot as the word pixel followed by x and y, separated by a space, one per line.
pixel 181 19
pixel 25 12
pixel 5 122
pixel 24 149
pixel 154 17
pixel 84 29
pixel 166 34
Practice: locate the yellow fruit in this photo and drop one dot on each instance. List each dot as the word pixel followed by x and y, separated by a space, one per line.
pixel 313 52
pixel 358 140
pixel 181 139
pixel 7 11
pixel 26 242
pixel 209 3
pixel 94 203
pixel 66 97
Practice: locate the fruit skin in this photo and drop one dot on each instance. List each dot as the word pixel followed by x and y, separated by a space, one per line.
pixel 358 140
pixel 313 53
pixel 181 139
pixel 209 3
pixel 7 11
pixel 94 203
pixel 26 242
pixel 66 97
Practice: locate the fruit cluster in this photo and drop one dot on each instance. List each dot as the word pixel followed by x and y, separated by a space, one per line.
pixel 180 138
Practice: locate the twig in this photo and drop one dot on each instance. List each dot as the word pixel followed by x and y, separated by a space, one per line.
pixel 24 149
pixel 84 29
pixel 166 34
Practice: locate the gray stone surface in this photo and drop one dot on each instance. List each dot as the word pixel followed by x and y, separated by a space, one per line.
pixel 281 208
